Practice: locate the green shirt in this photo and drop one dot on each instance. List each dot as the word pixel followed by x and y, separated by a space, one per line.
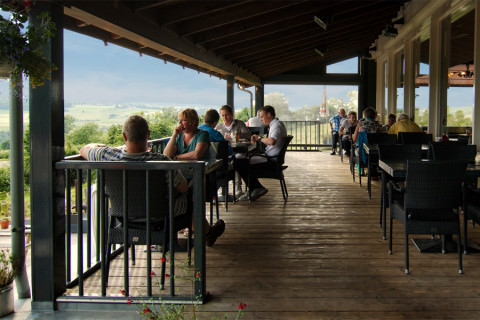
pixel 200 136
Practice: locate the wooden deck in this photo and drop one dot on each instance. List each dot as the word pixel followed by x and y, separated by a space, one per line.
pixel 321 256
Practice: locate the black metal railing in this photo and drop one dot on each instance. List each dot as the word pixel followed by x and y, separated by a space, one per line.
pixel 85 243
pixel 308 135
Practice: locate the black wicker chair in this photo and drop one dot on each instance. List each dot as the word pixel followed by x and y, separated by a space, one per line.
pixel 135 198
pixel 471 210
pixel 225 174
pixel 414 138
pixel 401 152
pixel 276 170
pixel 432 195
pixel 456 151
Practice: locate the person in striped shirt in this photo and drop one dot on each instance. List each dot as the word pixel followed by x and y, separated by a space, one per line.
pixel 135 135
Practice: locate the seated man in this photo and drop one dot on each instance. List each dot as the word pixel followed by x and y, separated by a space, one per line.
pixel 404 124
pixel 249 168
pixel 346 128
pixel 136 134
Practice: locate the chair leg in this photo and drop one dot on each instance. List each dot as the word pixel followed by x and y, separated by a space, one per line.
pixel 407 271
pixel 189 247
pixel 444 244
pixel 459 249
pixel 216 207
pixel 465 239
pixel 390 236
pixel 164 266
pixel 226 193
pixel 133 254
pixel 283 185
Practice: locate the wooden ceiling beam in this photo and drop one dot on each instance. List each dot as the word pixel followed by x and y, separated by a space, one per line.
pixel 232 17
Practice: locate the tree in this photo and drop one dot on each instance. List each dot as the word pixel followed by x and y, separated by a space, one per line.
pixel 114 135
pixel 280 103
pixel 87 133
pixel 242 114
pixel 69 123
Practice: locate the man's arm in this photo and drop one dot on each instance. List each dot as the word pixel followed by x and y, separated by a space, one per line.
pixel 84 150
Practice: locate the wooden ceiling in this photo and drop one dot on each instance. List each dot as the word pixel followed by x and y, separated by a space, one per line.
pixel 252 40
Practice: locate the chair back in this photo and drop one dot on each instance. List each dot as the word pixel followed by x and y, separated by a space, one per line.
pixel 414 138
pixel 434 184
pixel 136 194
pixel 400 152
pixel 381 138
pixel 281 156
pixel 444 151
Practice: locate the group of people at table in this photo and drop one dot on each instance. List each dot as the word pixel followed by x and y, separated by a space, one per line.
pixel 349 128
pixel 189 141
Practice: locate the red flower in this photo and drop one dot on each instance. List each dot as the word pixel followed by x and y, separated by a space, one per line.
pixel 198 274
pixel 27 3
pixel 146 310
pixel 163 260
pixel 129 301
pixel 122 292
pixel 167 275
pixel 152 247
pixel 242 306
pixel 152 273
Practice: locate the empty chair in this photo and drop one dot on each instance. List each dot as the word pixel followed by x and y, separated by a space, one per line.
pixel 428 202
pixel 471 210
pixel 414 138
pixel 397 152
pixel 447 151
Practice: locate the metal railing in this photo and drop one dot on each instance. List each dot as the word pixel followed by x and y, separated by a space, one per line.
pixel 308 135
pixel 85 244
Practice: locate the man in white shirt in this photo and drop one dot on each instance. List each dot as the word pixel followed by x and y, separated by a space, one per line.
pixel 249 168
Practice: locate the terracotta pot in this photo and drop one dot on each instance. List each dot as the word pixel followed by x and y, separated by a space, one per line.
pixel 4 223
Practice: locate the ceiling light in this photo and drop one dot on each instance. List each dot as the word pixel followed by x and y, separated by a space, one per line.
pixel 320 22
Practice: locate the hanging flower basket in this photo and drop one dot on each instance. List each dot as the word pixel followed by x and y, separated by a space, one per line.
pixel 21 47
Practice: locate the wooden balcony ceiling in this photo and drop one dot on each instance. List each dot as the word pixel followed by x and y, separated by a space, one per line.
pixel 252 40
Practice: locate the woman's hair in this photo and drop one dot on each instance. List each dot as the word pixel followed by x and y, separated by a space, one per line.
pixel 211 116
pixel 189 114
pixel 392 116
pixel 227 108
pixel 136 128
pixel 402 116
pixel 370 113
pixel 352 113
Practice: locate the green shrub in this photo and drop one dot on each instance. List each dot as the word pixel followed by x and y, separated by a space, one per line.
pixel 4 179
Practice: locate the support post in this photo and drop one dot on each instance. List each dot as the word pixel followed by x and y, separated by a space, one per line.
pixel 366 88
pixel 47 184
pixel 230 87
pixel 259 98
pixel 16 186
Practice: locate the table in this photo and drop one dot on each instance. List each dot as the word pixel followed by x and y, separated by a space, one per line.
pixel 398 169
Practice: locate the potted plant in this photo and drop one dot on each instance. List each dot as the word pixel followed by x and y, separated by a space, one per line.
pixel 21 47
pixel 6 283
pixel 4 222
pixel 4 214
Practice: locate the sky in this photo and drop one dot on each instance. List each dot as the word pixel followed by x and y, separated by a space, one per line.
pixel 105 75
pixel 99 74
